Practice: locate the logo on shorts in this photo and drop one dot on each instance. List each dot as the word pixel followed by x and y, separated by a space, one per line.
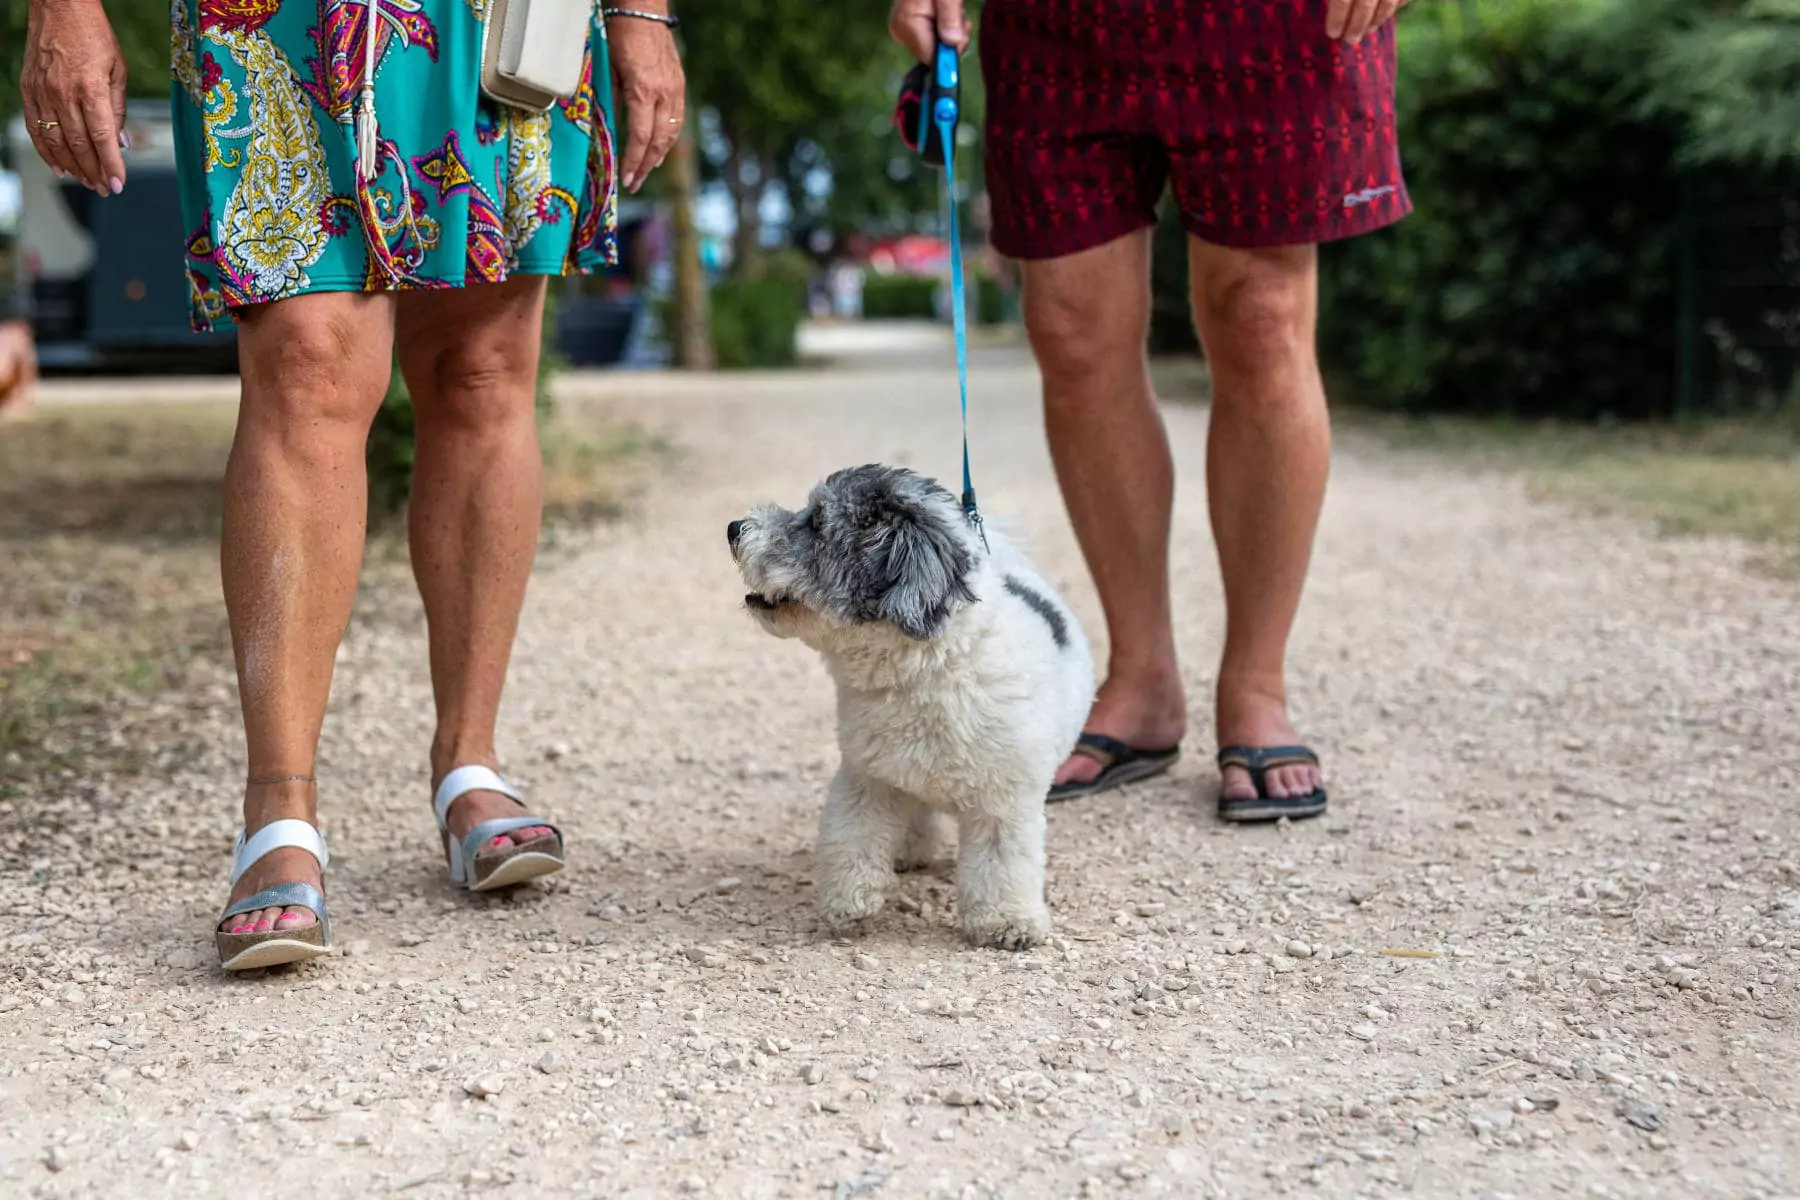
pixel 1368 194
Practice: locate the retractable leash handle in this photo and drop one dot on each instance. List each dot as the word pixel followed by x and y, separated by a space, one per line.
pixel 942 109
pixel 930 131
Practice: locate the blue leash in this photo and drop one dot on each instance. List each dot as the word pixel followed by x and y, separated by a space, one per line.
pixel 944 111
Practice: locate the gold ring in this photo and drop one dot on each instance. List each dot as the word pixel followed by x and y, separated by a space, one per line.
pixel 48 124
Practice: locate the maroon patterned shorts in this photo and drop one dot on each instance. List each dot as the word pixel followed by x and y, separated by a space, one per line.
pixel 1269 132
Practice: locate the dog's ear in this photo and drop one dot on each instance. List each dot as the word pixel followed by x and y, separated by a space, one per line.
pixel 927 569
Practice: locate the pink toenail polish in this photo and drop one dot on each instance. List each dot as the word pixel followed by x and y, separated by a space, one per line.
pixel 497 841
pixel 261 927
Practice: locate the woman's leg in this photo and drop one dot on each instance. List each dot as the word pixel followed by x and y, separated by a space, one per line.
pixel 470 357
pixel 314 370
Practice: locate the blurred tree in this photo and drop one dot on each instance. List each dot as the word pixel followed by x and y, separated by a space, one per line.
pixel 12 36
pixel 851 170
pixel 691 334
pixel 799 97
pixel 1732 71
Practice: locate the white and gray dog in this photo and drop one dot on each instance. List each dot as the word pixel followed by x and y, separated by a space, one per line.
pixel 962 681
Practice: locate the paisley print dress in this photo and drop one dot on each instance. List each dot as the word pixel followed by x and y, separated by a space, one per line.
pixel 462 190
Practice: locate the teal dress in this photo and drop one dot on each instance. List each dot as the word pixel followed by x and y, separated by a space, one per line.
pixel 455 189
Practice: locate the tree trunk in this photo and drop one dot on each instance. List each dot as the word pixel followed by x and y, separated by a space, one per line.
pixel 746 195
pixel 692 335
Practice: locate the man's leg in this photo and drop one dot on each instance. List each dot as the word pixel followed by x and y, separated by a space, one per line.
pixel 1267 456
pixel 1088 315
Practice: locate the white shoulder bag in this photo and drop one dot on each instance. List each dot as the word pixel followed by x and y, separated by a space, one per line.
pixel 531 50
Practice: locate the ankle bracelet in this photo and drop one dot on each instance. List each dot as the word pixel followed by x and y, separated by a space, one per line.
pixel 264 780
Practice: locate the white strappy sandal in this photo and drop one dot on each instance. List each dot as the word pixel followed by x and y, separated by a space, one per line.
pixel 272 947
pixel 527 860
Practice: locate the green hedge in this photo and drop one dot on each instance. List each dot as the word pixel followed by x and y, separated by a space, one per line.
pixel 1535 276
pixel 755 323
pixel 990 300
pixel 788 266
pixel 389 452
pixel 1171 312
pixel 1548 146
pixel 756 315
pixel 899 296
pixel 914 297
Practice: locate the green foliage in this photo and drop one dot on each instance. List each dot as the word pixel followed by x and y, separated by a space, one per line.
pixel 914 297
pixel 756 313
pixel 892 297
pixel 389 452
pixel 990 300
pixel 12 37
pixel 787 266
pixel 774 66
pixel 800 97
pixel 756 322
pixel 1548 144
pixel 1725 71
pixel 1171 313
pixel 1729 71
pixel 1535 275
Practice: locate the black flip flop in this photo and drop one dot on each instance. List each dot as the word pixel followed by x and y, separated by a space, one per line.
pixel 1259 761
pixel 1119 765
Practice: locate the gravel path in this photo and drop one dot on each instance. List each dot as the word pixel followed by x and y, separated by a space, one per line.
pixel 1563 776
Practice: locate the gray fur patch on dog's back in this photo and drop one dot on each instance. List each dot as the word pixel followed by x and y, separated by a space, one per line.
pixel 1040 604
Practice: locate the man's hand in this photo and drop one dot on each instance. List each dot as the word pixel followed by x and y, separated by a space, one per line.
pixel 655 89
pixel 920 25
pixel 1350 20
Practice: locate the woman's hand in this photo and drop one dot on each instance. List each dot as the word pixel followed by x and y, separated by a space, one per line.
pixel 649 70
pixel 73 80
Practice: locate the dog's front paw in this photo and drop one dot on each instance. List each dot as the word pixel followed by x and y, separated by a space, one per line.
pixel 843 909
pixel 1006 931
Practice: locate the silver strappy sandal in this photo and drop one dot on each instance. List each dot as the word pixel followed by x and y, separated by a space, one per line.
pixel 272 947
pixel 471 869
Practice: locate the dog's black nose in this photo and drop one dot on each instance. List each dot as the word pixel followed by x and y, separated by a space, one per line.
pixel 731 533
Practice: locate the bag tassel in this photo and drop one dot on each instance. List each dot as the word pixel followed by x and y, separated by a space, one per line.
pixel 366 145
pixel 365 135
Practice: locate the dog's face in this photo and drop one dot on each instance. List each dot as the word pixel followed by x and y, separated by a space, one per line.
pixel 873 546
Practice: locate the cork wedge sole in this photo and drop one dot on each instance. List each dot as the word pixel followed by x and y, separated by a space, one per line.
pixel 470 868
pixel 273 947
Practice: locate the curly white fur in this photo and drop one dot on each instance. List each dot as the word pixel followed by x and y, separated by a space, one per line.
pixel 965 727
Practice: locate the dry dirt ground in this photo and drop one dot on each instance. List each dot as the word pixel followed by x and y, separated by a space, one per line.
pixel 1564 777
